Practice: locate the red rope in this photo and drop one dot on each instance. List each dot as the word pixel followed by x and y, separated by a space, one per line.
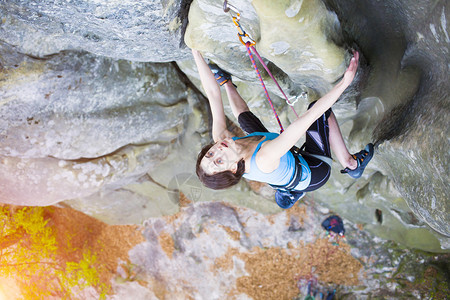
pixel 247 45
pixel 249 51
pixel 273 78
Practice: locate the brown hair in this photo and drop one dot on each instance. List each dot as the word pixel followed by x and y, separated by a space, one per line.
pixel 221 180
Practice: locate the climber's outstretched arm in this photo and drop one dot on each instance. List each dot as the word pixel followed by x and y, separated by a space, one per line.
pixel 276 148
pixel 212 90
pixel 237 104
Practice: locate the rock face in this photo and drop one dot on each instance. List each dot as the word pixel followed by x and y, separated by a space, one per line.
pixel 213 249
pixel 74 123
pixel 131 30
pixel 216 251
pixel 412 86
pixel 89 117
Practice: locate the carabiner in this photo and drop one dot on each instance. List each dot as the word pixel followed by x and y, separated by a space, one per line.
pixel 288 102
pixel 303 95
pixel 227 7
pixel 250 40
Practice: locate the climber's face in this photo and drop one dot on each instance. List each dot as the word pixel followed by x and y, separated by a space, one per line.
pixel 222 156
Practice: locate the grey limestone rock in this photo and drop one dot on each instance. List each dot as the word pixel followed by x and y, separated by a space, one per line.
pixel 74 124
pixel 132 30
pixel 83 119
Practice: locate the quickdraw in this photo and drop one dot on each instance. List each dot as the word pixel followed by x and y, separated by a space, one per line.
pixel 249 44
pixel 236 18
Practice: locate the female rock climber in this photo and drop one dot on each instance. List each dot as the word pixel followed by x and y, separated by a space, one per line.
pixel 270 157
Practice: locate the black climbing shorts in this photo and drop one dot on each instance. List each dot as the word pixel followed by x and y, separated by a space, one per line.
pixel 317 142
pixel 250 123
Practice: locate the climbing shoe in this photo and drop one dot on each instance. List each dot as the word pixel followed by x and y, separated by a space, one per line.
pixel 221 76
pixel 362 158
pixel 287 199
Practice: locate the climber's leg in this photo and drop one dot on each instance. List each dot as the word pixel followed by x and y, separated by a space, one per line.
pixel 355 164
pixel 338 146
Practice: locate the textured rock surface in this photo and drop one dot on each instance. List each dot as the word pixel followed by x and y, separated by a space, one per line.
pixel 409 61
pixel 132 30
pixel 75 105
pixel 396 86
pixel 285 32
pixel 119 137
pixel 75 123
pixel 218 251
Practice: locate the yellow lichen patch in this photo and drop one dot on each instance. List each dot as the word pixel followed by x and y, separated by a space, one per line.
pixel 77 231
pixel 167 243
pixel 235 235
pixel 22 74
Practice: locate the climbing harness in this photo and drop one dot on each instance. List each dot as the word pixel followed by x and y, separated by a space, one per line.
pixel 249 43
pixel 287 195
pixel 296 178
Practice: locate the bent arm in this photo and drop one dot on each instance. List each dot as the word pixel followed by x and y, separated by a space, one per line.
pixel 275 149
pixel 212 90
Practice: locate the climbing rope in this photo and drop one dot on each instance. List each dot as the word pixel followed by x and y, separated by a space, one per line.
pixel 249 43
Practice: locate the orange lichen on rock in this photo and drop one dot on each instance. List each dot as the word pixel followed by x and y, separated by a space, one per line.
pixel 334 263
pixel 298 212
pixel 77 232
pixel 167 243
pixel 172 218
pixel 225 263
pixel 184 201
pixel 274 272
pixel 235 235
